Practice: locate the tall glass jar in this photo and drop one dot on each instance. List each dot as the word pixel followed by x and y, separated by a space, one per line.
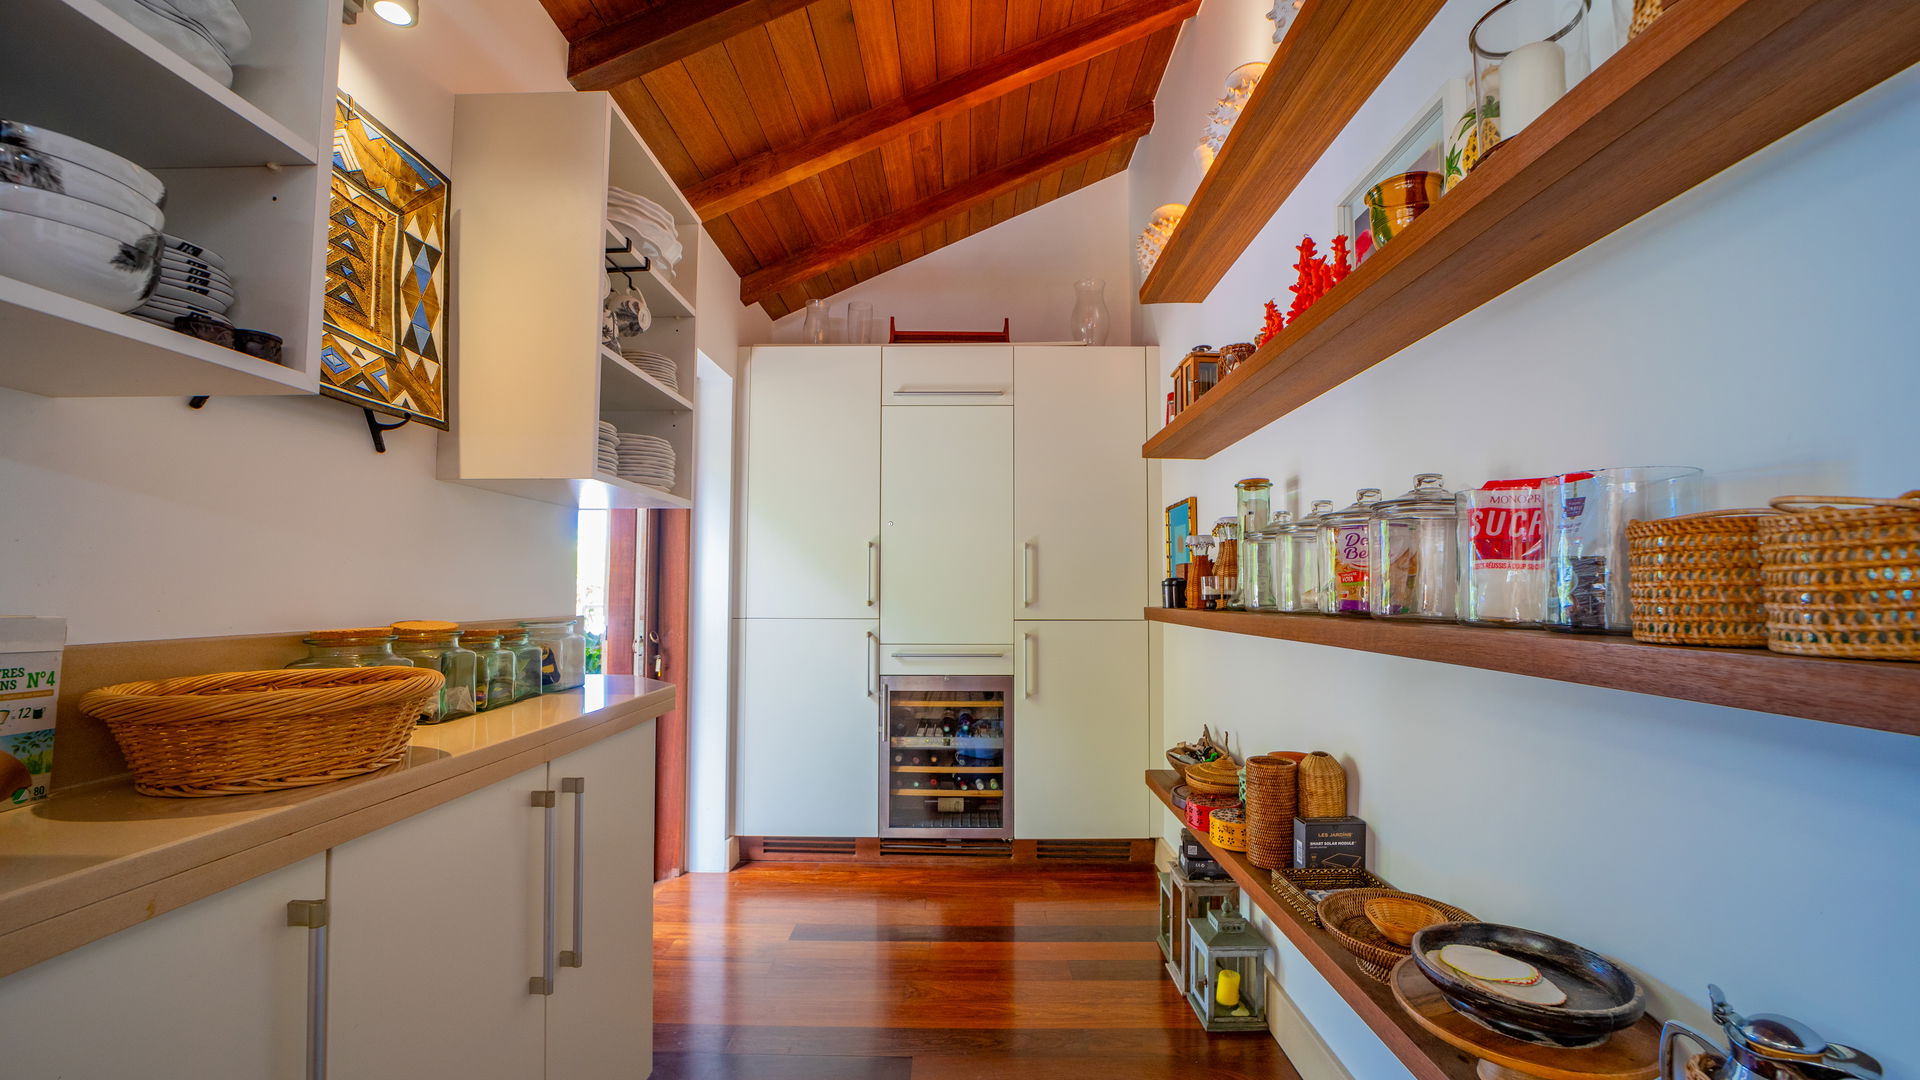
pixel 1226 563
pixel 495 668
pixel 364 647
pixel 1526 54
pixel 1253 506
pixel 1412 568
pixel 1298 569
pixel 563 659
pixel 429 646
pixel 1265 549
pixel 1587 516
pixel 526 662
pixel 1343 555
pixel 1503 553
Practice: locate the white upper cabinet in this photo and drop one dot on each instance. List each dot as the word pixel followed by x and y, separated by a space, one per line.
pixel 1080 696
pixel 812 484
pixel 1080 485
pixel 949 375
pixel 946 507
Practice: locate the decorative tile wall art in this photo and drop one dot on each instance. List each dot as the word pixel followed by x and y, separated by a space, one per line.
pixel 383 345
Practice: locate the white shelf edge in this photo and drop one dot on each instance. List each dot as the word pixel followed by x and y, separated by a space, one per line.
pixel 681 404
pixel 665 497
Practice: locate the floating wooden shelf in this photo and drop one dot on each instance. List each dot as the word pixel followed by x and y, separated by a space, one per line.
pixel 1709 84
pixel 1333 56
pixel 950 768
pixel 1424 1055
pixel 1862 693
pixel 949 793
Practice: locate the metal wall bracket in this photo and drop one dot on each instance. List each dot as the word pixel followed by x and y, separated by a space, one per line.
pixel 378 430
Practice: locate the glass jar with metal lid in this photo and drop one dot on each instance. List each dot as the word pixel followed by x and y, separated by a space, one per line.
pixel 494 682
pixel 563 660
pixel 1343 555
pixel 1253 505
pixel 1265 548
pixel 1297 566
pixel 1226 563
pixel 1413 566
pixel 370 646
pixel 526 661
pixel 436 645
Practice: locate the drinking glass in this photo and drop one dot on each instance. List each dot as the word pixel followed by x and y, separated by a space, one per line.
pixel 859 322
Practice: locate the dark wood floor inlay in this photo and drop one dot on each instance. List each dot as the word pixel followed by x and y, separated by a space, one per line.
pixel 833 932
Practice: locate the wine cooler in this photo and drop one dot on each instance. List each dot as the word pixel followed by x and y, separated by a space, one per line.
pixel 946 760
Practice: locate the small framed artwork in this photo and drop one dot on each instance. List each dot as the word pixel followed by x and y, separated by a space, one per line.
pixel 1424 145
pixel 1180 519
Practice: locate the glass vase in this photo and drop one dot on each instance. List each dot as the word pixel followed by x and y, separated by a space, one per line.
pixel 814 330
pixel 1526 53
pixel 1090 318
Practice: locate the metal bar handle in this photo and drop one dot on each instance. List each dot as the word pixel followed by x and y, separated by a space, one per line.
pixel 576 786
pixel 873 584
pixel 1026 658
pixel 873 664
pixel 958 391
pixel 1026 573
pixel 951 655
pixel 546 802
pixel 313 915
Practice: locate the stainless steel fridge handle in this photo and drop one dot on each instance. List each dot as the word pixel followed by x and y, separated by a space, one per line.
pixel 547 803
pixel 873 559
pixel 873 663
pixel 576 786
pixel 1026 663
pixel 957 391
pixel 313 915
pixel 950 655
pixel 1026 573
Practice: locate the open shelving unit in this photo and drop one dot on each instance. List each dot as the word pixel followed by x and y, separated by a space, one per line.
pixel 1879 694
pixel 1710 83
pixel 1424 1055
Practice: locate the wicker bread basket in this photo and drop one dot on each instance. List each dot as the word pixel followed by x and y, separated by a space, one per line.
pixel 244 732
pixel 1695 579
pixel 1842 577
pixel 1345 918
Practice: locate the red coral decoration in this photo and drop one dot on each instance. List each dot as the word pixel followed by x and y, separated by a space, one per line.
pixel 1342 266
pixel 1317 274
pixel 1274 321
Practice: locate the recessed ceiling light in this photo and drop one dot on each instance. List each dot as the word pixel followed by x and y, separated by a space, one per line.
pixel 398 12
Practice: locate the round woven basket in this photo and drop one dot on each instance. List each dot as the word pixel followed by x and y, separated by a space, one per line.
pixel 244 732
pixel 1695 579
pixel 1345 918
pixel 1227 828
pixel 1272 803
pixel 1323 786
pixel 1842 577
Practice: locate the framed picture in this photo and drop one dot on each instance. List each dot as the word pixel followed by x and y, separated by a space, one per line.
pixel 383 339
pixel 1425 144
pixel 1180 519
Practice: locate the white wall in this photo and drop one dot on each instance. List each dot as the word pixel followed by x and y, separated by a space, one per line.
pixel 1022 269
pixel 724 324
pixel 1750 327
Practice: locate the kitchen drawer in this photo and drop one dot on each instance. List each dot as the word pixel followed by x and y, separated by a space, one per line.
pixel 947 375
pixel 946 659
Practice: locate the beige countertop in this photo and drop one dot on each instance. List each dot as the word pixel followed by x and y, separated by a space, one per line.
pixel 98 859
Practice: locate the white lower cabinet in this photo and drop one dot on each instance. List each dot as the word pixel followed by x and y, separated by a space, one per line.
pixel 1080 711
pixel 808 728
pixel 215 989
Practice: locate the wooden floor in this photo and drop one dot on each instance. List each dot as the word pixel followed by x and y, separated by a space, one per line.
pixel 784 972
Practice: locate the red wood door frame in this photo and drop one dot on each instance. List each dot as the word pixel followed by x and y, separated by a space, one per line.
pixel 668 657
pixel 623 539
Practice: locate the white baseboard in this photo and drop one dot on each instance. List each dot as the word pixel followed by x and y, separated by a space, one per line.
pixel 1303 1045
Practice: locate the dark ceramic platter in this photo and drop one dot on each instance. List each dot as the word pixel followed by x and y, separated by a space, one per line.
pixel 1601 998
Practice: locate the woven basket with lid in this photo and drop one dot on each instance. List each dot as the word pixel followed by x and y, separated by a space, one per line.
pixel 1695 579
pixel 1272 803
pixel 1842 576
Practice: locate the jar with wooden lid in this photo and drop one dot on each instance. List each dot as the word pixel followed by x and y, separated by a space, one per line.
pixel 563 659
pixel 429 646
pixel 1226 563
pixel 1343 555
pixel 370 646
pixel 1200 571
pixel 526 661
pixel 1298 572
pixel 494 676
pixel 1413 567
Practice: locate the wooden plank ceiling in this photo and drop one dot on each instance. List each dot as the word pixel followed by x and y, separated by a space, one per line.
pixel 824 143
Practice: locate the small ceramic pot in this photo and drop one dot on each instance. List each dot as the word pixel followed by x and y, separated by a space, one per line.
pixel 206 329
pixel 1393 203
pixel 259 344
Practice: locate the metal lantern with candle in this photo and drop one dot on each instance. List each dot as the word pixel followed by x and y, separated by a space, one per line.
pixel 1190 900
pixel 1526 53
pixel 1227 971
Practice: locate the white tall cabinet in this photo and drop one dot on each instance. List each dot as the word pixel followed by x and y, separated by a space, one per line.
pixel 1080 700
pixel 946 508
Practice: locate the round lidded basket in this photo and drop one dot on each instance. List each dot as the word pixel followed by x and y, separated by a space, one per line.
pixel 1272 804
pixel 1227 828
pixel 1695 579
pixel 1344 916
pixel 244 732
pixel 1842 577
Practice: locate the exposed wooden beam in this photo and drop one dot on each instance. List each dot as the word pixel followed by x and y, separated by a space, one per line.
pixel 960 198
pixel 669 30
pixel 772 171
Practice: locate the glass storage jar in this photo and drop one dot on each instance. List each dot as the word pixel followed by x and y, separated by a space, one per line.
pixel 1265 549
pixel 563 653
pixel 1253 505
pixel 1503 553
pixel 1199 570
pixel 365 647
pixel 1412 569
pixel 495 671
pixel 526 662
pixel 1587 516
pixel 1226 563
pixel 430 646
pixel 1297 579
pixel 1343 555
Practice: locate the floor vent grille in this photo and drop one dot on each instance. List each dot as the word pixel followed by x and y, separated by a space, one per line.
pixel 962 849
pixel 1084 850
pixel 808 845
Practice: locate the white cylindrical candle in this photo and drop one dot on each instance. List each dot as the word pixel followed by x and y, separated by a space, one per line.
pixel 1532 77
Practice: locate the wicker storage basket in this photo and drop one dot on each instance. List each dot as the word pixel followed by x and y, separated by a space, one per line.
pixel 250 731
pixel 1695 579
pixel 1323 786
pixel 1345 918
pixel 1842 577
pixel 1227 828
pixel 1292 887
pixel 1272 803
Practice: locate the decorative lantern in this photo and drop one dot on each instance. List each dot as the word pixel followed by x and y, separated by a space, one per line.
pixel 1189 900
pixel 1168 924
pixel 1197 373
pixel 1227 971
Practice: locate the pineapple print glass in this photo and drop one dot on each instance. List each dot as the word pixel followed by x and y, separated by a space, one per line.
pixel 1526 54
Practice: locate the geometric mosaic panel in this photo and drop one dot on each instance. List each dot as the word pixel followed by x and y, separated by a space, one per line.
pixel 384 335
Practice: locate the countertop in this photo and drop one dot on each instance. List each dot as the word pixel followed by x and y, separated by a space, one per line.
pixel 92 861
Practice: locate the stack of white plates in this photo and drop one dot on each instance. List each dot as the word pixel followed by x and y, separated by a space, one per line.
pixel 205 33
pixel 646 225
pixel 645 459
pixel 662 368
pixel 607 457
pixel 75 219
pixel 193 281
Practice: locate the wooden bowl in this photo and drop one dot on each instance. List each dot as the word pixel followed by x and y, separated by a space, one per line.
pixel 1398 918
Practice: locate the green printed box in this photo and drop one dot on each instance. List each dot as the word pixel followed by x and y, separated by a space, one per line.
pixel 30 650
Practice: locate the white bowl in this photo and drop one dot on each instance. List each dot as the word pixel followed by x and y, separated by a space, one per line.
pixel 161 304
pixel 75 262
pixel 187 40
pixel 170 242
pixel 84 153
pixel 167 290
pixel 218 285
pixel 68 210
pixel 39 169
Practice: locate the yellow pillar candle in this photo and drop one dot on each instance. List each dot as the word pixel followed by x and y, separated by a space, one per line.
pixel 1226 988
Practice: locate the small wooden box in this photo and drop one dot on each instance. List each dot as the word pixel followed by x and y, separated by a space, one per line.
pixel 1197 373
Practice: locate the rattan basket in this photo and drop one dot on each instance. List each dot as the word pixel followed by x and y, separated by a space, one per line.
pixel 1695 579
pixel 1344 917
pixel 1292 886
pixel 1842 577
pixel 1272 803
pixel 244 732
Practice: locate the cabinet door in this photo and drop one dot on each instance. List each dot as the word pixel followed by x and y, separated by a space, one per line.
pixel 596 1017
pixel 1080 485
pixel 946 507
pixel 949 375
pixel 811 502
pixel 437 924
pixel 808 728
pixel 216 988
pixel 1081 698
